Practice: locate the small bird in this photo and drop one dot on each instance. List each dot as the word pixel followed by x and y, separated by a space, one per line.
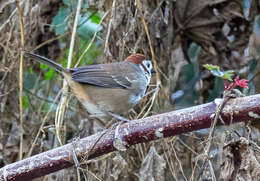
pixel 106 90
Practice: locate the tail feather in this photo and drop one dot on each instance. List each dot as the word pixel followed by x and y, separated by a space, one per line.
pixel 45 61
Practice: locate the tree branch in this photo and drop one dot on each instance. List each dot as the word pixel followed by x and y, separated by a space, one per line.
pixel 137 131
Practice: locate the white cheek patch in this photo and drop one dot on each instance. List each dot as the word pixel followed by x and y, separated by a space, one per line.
pixel 147 75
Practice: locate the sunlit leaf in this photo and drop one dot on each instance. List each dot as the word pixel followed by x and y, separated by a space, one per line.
pixel 43 66
pixel 95 18
pixel 215 70
pixel 49 74
pixel 228 75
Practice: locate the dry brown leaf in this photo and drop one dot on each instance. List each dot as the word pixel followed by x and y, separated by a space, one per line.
pixel 201 21
pixel 241 163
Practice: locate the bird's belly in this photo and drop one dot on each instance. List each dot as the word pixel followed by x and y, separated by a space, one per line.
pixel 117 101
pixel 87 96
pixel 94 110
pixel 98 101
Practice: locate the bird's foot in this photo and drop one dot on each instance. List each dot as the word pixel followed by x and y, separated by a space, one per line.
pixel 118 143
pixel 74 155
pixel 121 118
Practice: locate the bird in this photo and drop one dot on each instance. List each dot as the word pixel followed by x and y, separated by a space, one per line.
pixel 106 90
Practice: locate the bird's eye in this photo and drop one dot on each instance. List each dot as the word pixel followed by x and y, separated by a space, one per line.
pixel 148 65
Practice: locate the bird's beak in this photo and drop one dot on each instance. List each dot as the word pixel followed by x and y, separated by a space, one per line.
pixel 153 71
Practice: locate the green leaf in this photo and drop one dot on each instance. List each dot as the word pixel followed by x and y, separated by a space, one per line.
pixel 193 51
pixel 25 102
pixel 252 66
pixel 49 74
pixel 72 4
pixel 228 75
pixel 29 80
pixel 31 70
pixel 95 18
pixel 215 70
pixel 66 2
pixel 189 76
pixel 251 73
pixel 60 22
pixel 217 90
pixel 94 51
pixel 43 66
pixel 87 27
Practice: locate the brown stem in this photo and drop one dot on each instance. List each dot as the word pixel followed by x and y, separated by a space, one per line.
pixel 137 131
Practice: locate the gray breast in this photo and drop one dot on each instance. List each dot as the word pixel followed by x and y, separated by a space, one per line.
pixel 135 98
pixel 138 83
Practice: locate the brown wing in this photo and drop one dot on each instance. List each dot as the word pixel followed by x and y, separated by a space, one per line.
pixel 108 76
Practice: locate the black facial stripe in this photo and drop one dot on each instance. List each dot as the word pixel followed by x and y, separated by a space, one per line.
pixel 145 68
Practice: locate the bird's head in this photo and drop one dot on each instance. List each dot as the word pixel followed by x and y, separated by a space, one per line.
pixel 145 65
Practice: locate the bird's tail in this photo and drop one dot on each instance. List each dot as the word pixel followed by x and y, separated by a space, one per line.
pixel 45 61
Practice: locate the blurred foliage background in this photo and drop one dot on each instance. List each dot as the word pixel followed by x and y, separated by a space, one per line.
pixel 185 35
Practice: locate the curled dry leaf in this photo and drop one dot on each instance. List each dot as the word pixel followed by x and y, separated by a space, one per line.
pixel 241 162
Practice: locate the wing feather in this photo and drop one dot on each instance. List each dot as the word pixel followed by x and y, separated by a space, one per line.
pixel 108 76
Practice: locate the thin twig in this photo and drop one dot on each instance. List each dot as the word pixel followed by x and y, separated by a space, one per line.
pixel 189 148
pixel 42 125
pixel 212 171
pixel 9 19
pixel 37 96
pixel 219 108
pixel 179 162
pixel 92 40
pixel 149 21
pixel 168 160
pixel 64 98
pixel 193 171
pixel 21 80
pixel 139 6
pixel 49 41
pixel 106 49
